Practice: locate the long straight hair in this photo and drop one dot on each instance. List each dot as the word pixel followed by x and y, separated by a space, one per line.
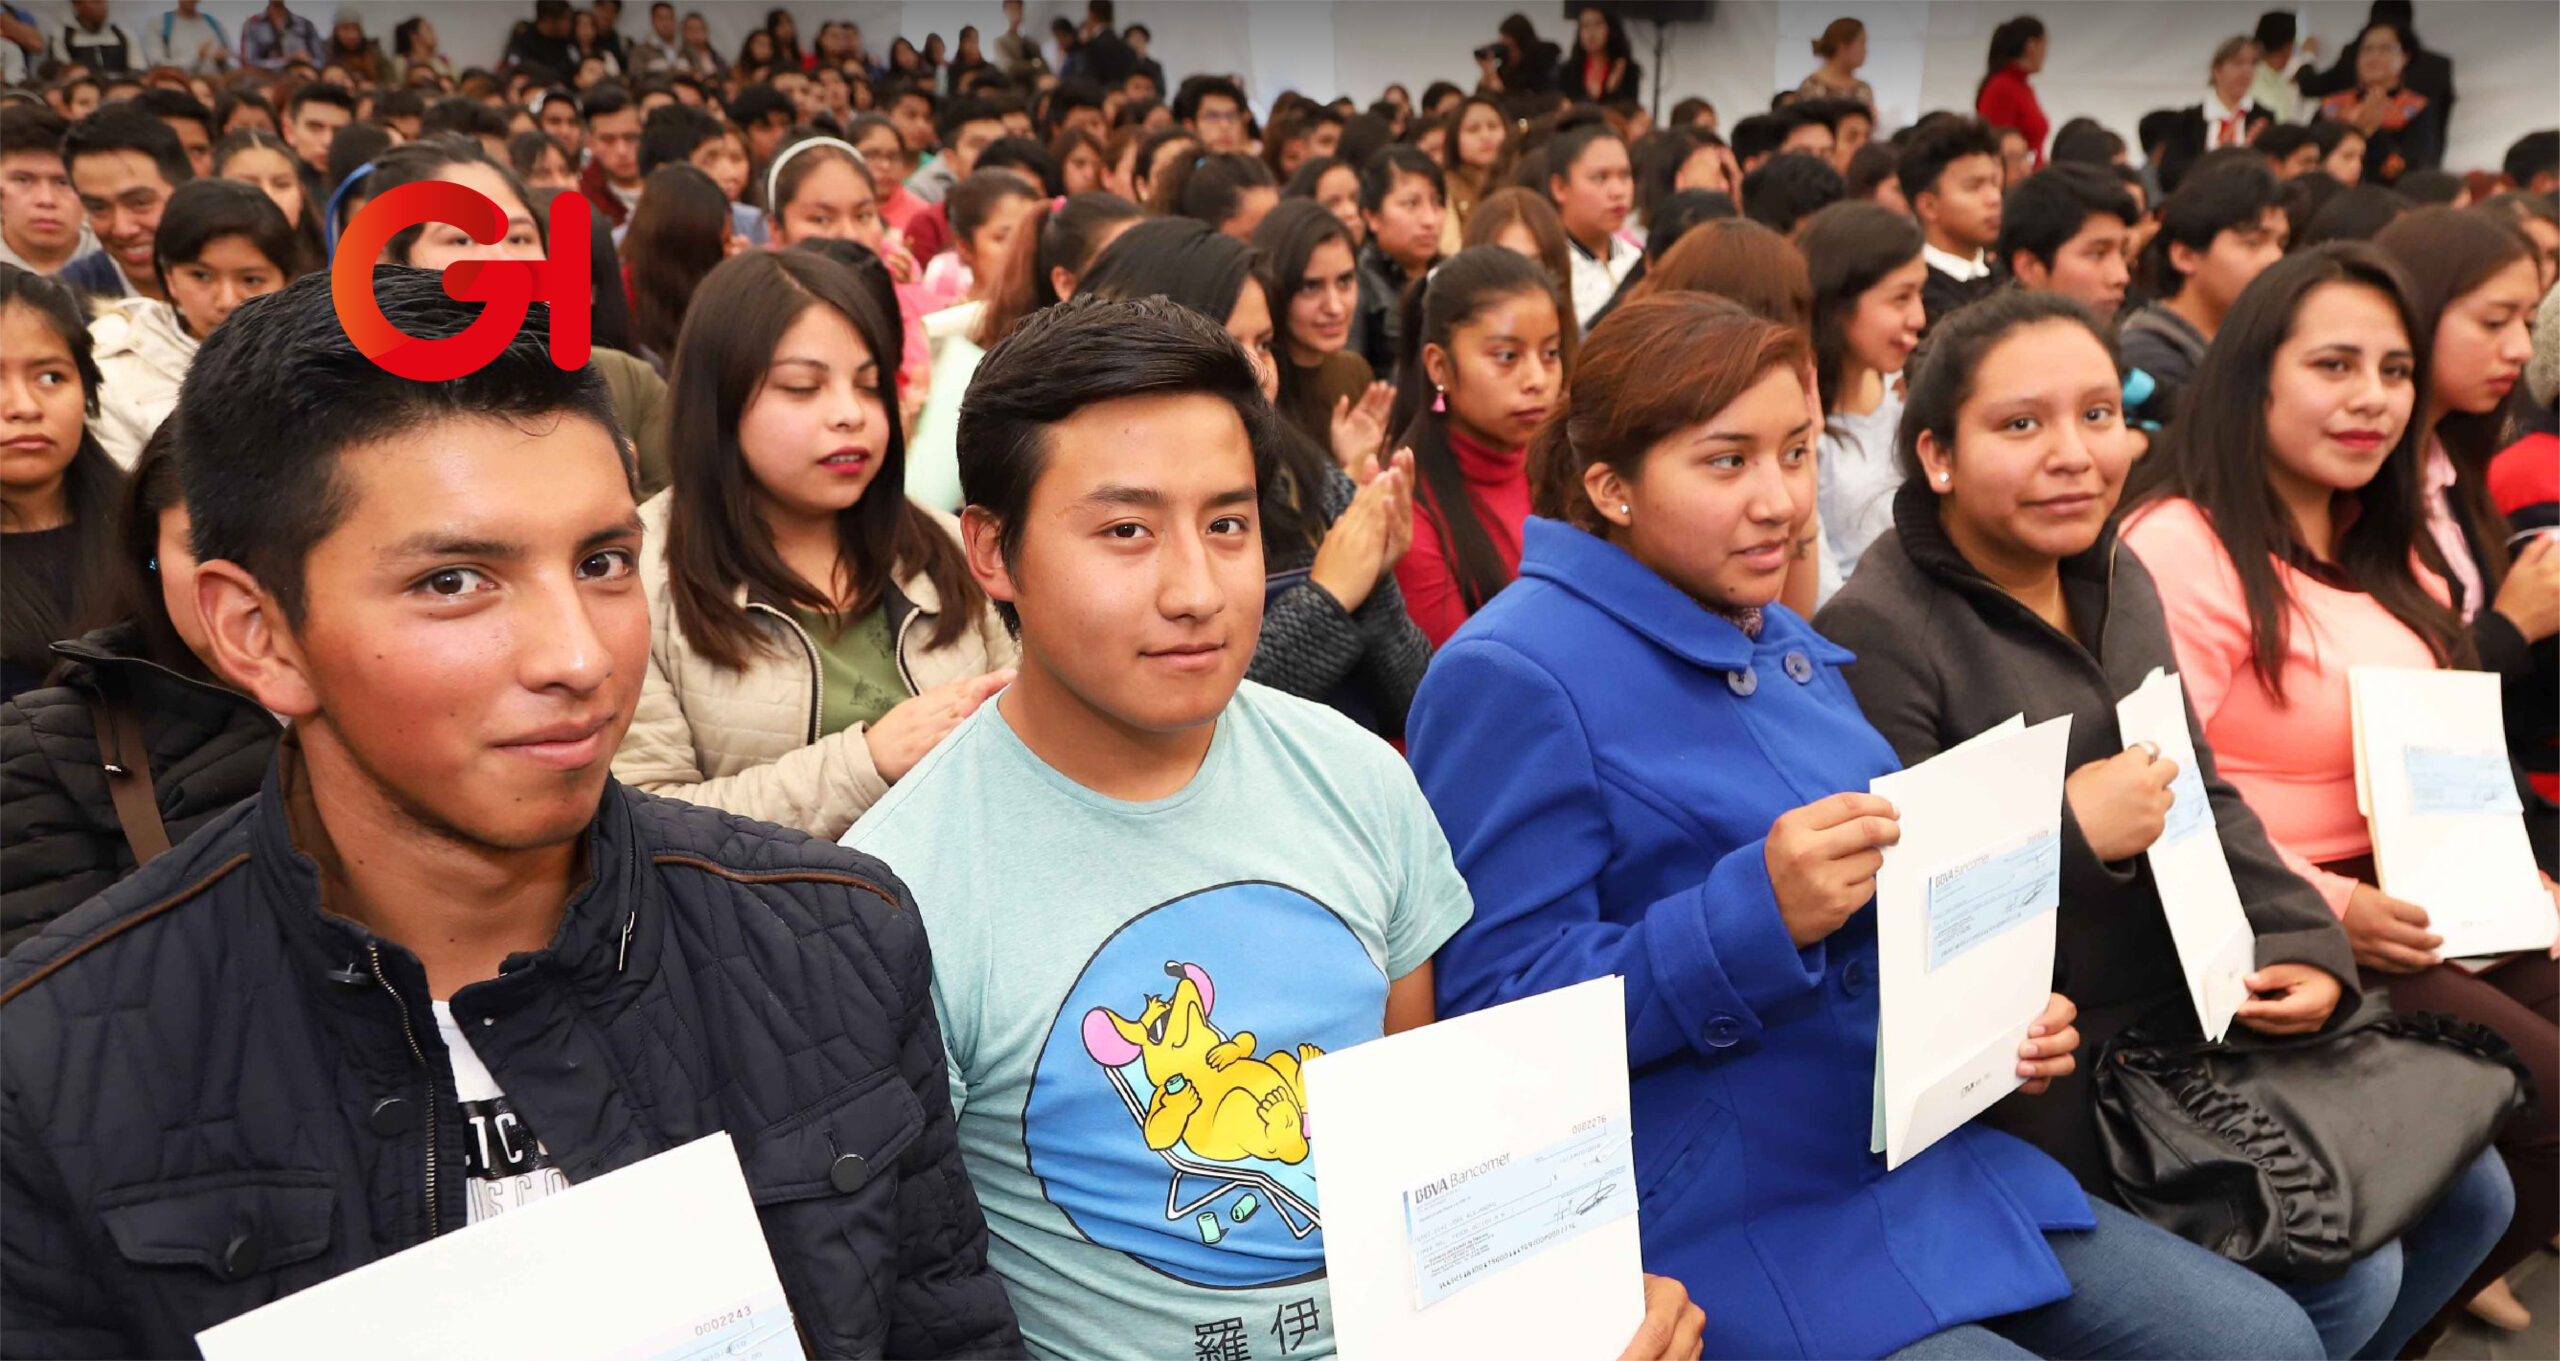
pixel 1288 239
pixel 1464 287
pixel 130 587
pixel 1064 235
pixel 31 621
pixel 2446 253
pixel 2217 455
pixel 716 539
pixel 675 241
pixel 1849 248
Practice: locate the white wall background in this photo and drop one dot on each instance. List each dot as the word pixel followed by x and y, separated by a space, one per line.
pixel 2113 60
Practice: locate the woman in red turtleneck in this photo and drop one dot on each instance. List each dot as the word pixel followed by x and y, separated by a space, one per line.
pixel 1489 366
pixel 2005 99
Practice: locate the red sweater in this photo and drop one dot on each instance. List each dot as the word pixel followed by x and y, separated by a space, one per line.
pixel 1498 487
pixel 2008 101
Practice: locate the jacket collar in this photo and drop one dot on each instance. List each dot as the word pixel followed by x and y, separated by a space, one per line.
pixel 1617 585
pixel 288 881
pixel 1924 540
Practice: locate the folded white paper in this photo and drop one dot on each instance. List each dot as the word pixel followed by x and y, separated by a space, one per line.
pixel 1965 927
pixel 2434 783
pixel 2216 948
pixel 1479 1186
pixel 660 1261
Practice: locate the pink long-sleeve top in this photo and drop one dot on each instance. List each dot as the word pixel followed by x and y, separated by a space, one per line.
pixel 2290 754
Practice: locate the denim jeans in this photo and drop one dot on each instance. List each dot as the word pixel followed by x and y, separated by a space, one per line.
pixel 2138 1291
pixel 2373 1310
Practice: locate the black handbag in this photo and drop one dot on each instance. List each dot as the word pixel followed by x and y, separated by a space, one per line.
pixel 2295 1156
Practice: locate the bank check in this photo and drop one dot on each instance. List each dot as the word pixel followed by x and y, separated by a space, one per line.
pixel 1471 1222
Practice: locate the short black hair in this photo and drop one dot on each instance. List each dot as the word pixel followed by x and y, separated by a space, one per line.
pixel 1788 188
pixel 603 97
pixel 1070 94
pixel 164 102
pixel 1020 153
pixel 896 90
pixel 1186 101
pixel 463 115
pixel 2087 140
pixel 400 102
pixel 2280 140
pixel 2275 29
pixel 29 126
pixel 1762 134
pixel 320 92
pixel 2426 187
pixel 1932 147
pixel 206 210
pixel 2535 153
pixel 958 112
pixel 2048 208
pixel 2212 200
pixel 758 102
pixel 672 132
pixel 352 148
pixel 1378 177
pixel 126 127
pixel 1082 352
pixel 1565 151
pixel 1680 212
pixel 279 392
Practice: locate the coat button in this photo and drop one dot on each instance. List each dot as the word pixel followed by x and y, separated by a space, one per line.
pixel 848 1173
pixel 389 1116
pixel 240 1257
pixel 1723 1032
pixel 1799 668
pixel 1857 978
pixel 1742 682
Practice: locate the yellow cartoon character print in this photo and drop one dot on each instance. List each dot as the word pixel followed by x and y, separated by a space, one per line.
pixel 1211 1094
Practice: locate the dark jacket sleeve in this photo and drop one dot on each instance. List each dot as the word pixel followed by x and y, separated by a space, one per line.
pixel 946 1301
pixel 1311 645
pixel 51 1303
pixel 58 856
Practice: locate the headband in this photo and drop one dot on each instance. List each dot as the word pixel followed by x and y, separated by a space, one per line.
pixel 773 172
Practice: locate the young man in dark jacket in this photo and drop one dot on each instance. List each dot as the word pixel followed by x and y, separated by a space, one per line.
pixel 442 965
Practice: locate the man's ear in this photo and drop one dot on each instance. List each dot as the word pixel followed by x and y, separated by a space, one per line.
pixel 982 539
pixel 2184 258
pixel 251 642
pixel 2029 270
pixel 1924 206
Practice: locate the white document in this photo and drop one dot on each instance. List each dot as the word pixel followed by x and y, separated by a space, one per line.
pixel 1965 928
pixel 1479 1183
pixel 660 1261
pixel 2216 947
pixel 2433 780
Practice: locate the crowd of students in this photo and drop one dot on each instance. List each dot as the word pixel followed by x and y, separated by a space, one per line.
pixel 1322 567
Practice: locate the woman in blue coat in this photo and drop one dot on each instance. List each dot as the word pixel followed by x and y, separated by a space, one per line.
pixel 1648 768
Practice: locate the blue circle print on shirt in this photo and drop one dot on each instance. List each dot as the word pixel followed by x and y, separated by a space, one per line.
pixel 1167 1117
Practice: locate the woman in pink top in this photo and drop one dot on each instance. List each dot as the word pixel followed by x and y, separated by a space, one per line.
pixel 2282 521
pixel 1484 362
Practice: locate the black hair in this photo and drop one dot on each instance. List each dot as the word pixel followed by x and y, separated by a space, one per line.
pixel 1067 235
pixel 204 211
pixel 1657 158
pixel 674 240
pixel 2331 133
pixel 30 126
pixel 320 92
pixel 2086 139
pixel 2302 198
pixel 2535 153
pixel 604 97
pixel 31 619
pixel 1849 248
pixel 353 147
pixel 2429 188
pixel 524 151
pixel 2357 212
pixel 1762 134
pixel 1378 177
pixel 1674 216
pixel 1566 151
pixel 1434 306
pixel 232 144
pixel 2156 129
pixel 1788 188
pixel 2278 141
pixel 2008 44
pixel 1090 349
pixel 280 391
pixel 1869 166
pixel 1010 153
pixel 1134 113
pixel 1187 99
pixel 129 591
pixel 125 127
pixel 716 539
pixel 1941 380
pixel 398 103
pixel 2044 211
pixel 1304 181
pixel 1141 171
pixel 163 102
pixel 1363 136
pixel 464 115
pixel 1929 148
pixel 1288 239
pixel 868 270
pixel 757 103
pixel 673 132
pixel 2211 201
pixel 426 159
pixel 1209 188
pixel 2275 29
pixel 958 112
pixel 1068 95
pixel 784 174
pixel 2216 454
pixel 973 200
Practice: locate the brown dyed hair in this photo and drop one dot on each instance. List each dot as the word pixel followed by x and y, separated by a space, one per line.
pixel 1619 408
pixel 1742 261
pixel 1496 213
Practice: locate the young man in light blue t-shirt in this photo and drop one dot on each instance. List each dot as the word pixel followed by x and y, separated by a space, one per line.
pixel 1153 889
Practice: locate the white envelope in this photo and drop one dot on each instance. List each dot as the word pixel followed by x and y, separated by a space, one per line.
pixel 660 1261
pixel 1466 1098
pixel 2216 947
pixel 2473 871
pixel 1955 1007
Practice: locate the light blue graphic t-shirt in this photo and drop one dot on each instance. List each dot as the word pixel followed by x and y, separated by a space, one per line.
pixel 1126 992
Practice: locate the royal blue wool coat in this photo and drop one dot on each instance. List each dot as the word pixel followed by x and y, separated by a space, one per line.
pixel 1607 758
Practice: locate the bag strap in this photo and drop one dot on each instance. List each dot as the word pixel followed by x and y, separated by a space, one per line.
pixel 127 763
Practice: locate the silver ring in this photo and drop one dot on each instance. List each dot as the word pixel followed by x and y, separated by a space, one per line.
pixel 2149 748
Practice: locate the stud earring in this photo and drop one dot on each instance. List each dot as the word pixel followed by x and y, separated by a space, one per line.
pixel 1942 479
pixel 1625 509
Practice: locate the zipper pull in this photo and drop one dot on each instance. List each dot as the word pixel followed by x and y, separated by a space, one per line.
pixel 623 957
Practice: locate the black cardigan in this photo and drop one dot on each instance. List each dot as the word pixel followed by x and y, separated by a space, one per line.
pixel 1943 655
